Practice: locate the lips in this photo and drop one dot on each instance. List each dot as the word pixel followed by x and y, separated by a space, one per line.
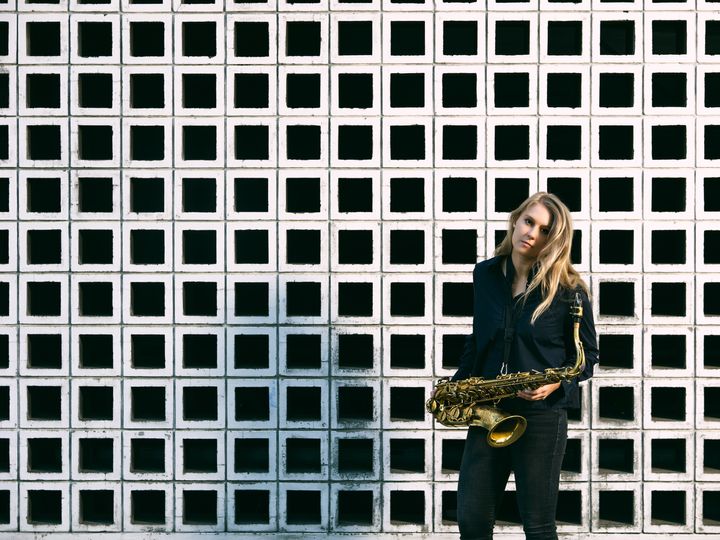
pixel 526 244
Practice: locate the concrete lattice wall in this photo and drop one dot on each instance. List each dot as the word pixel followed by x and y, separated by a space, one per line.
pixel 236 243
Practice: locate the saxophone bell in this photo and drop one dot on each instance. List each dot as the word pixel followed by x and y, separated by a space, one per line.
pixel 503 428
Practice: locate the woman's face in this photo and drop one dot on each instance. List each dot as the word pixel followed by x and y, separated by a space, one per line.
pixel 531 231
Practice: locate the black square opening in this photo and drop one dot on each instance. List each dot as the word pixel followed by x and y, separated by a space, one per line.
pixel 407 507
pixel 669 142
pixel 355 456
pixel 616 90
pixel 711 146
pixel 147 143
pixel 355 404
pixel 355 38
pixel 616 456
pixel 199 143
pixel 198 90
pixel 147 404
pixel 251 142
pixel 147 299
pixel 147 507
pixel 303 299
pixel 42 90
pixel 147 90
pixel 95 246
pixel 407 90
pixel 43 142
pixel 44 246
pixel 94 39
pixel 44 298
pixel 407 351
pixel 668 455
pixel 355 246
pixel 302 195
pixel 252 403
pixel 42 38
pixel 618 350
pixel 509 193
pixel 616 403
pixel 252 299
pixel 617 37
pixel 303 455
pixel 252 506
pixel 512 38
pixel 459 142
pixel 668 247
pixel 407 404
pixel 302 38
pixel 668 194
pixel 712 90
pixel 147 455
pixel 147 246
pixel 200 403
pixel 355 299
pixel 355 195
pixel 564 90
pixel 96 351
pixel 667 404
pixel 44 351
pixel 303 142
pixel 96 403
pixel 97 507
pixel 199 507
pixel 457 299
pixel 407 247
pixel 303 351
pixel 200 298
pixel 252 455
pixel 44 403
pixel 572 460
pixel 96 299
pixel 95 195
pixel 199 351
pixel 451 455
pixel 147 195
pixel 407 142
pixel 199 195
pixel 199 247
pixel 355 507
pixel 669 37
pixel 251 90
pixel 564 38
pixel 617 247
pixel 302 90
pixel 563 142
pixel 459 90
pixel 616 142
pixel 568 190
pixel 669 89
pixel 407 38
pixel 512 142
pixel 304 403
pixel 251 194
pixel 251 247
pixel 616 194
pixel 355 351
pixel 147 38
pixel 4 351
pixel 617 298
pixel 303 246
pixel 667 299
pixel 44 506
pixel 667 507
pixel 252 39
pixel 95 456
pixel 252 351
pixel 459 194
pixel 44 455
pixel 95 90
pixel 459 246
pixel 355 142
pixel 303 507
pixel 43 195
pixel 460 38
pixel 198 38
pixel 355 90
pixel 200 455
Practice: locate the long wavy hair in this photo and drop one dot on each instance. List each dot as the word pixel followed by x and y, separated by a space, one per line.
pixel 552 267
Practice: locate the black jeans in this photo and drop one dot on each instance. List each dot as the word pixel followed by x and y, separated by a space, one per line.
pixel 536 459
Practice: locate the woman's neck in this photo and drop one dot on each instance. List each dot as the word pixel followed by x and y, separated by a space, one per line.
pixel 522 266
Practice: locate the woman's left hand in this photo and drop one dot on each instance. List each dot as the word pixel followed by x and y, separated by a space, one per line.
pixel 539 393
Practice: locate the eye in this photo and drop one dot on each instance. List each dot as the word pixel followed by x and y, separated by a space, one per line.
pixel 528 221
pixel 545 231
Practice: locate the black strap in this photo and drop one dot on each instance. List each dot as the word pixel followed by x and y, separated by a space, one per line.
pixel 511 314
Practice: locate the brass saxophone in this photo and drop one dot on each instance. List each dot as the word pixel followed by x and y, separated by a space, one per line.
pixel 458 403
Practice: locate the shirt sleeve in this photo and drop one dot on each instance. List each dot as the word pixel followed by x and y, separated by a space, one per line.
pixel 467 359
pixel 588 337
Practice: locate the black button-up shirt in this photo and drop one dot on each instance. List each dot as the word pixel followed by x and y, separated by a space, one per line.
pixel 546 344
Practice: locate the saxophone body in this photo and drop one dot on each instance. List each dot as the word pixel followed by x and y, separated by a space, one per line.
pixel 465 403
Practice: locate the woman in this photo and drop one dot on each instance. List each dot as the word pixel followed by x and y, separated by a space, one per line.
pixel 521 323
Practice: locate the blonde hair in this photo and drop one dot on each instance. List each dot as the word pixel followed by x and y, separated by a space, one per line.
pixel 553 268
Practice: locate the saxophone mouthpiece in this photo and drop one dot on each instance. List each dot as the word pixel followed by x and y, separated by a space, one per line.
pixel 577 308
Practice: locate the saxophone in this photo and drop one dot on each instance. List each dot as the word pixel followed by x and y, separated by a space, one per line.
pixel 459 403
